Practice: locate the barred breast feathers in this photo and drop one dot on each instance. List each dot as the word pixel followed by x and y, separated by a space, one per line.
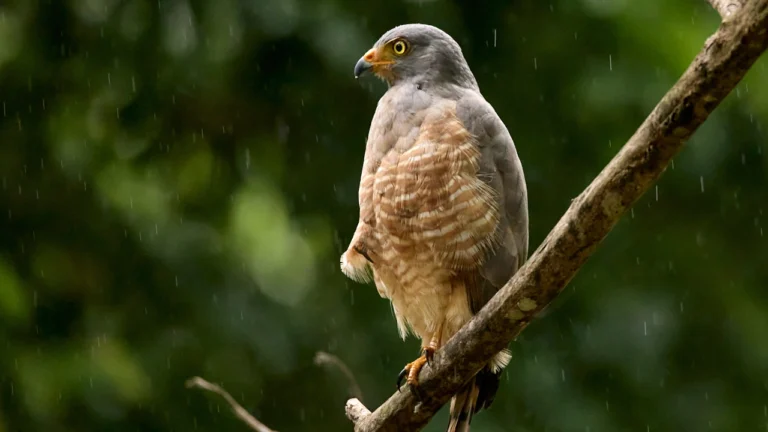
pixel 431 194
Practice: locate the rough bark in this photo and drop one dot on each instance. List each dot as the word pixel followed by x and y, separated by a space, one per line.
pixel 716 70
pixel 356 410
pixel 726 8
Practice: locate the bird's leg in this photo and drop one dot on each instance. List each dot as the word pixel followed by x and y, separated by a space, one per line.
pixel 411 372
pixel 434 344
pixel 412 369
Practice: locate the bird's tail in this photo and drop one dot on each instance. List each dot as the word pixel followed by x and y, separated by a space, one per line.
pixel 463 407
pixel 477 394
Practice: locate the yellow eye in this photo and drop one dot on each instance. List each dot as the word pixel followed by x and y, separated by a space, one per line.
pixel 400 47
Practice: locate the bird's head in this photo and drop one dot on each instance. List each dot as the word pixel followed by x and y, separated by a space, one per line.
pixel 417 53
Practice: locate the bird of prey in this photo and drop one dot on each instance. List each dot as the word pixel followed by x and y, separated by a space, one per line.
pixel 443 202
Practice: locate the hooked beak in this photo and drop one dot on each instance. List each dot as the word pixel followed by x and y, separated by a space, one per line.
pixel 362 66
pixel 370 62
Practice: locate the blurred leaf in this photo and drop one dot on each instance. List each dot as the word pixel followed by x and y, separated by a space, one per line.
pixel 14 302
pixel 277 256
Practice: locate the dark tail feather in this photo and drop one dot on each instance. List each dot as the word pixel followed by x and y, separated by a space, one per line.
pixel 477 394
pixel 463 407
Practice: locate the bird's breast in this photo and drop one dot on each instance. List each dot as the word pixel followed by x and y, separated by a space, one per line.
pixel 426 199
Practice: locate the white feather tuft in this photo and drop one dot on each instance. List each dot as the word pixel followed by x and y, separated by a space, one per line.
pixel 500 360
pixel 356 267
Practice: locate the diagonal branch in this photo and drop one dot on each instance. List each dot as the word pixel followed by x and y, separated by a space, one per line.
pixel 722 63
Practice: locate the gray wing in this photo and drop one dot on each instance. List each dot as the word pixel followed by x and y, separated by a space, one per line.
pixel 500 167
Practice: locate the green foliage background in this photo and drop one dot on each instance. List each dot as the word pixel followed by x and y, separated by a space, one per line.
pixel 179 179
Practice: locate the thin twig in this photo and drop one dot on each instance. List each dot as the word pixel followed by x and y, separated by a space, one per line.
pixel 323 358
pixel 237 409
pixel 714 73
pixel 726 8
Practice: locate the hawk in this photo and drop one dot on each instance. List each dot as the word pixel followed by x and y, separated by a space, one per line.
pixel 443 202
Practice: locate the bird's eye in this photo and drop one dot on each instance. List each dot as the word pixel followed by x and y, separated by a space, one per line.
pixel 400 47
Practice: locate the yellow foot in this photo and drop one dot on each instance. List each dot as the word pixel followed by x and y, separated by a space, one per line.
pixel 411 371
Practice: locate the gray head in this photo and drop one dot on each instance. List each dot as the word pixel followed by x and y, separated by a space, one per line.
pixel 417 53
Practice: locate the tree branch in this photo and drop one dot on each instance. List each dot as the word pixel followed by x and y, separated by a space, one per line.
pixel 323 358
pixel 715 71
pixel 237 409
pixel 356 410
pixel 726 8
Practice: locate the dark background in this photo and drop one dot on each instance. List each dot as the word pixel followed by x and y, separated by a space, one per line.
pixel 179 178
